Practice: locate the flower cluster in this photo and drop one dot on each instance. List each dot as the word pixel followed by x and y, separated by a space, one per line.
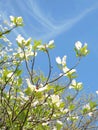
pixel 22 42
pixel 63 66
pixel 75 85
pixel 80 49
pixel 33 88
pixel 17 21
pixel 89 108
pixel 44 47
pixel 56 100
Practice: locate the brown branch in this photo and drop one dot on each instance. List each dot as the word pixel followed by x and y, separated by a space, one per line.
pixel 32 69
pixel 50 68
pixel 7 31
pixel 65 72
pixel 26 63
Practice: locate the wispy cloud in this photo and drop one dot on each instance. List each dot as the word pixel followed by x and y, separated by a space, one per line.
pixel 49 24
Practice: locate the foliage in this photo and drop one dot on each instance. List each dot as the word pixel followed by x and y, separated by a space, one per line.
pixel 29 100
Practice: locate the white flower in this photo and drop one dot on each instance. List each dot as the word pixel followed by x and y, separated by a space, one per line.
pixel 58 103
pixel 64 60
pixel 44 46
pixel 19 20
pixel 87 106
pixel 54 128
pixel 31 86
pixel 66 110
pixel 10 74
pixel 35 103
pixel 81 50
pixel 68 118
pixel 51 42
pixel 20 39
pixel 55 98
pixel 16 20
pixel 41 47
pixel 61 61
pixel 45 124
pixel 30 53
pixel 72 117
pixel 90 113
pixel 75 117
pixel 78 45
pixel 41 89
pixel 67 71
pixel 54 115
pixel 23 96
pixel 96 92
pixel 58 60
pixel 12 18
pixel 76 85
pixel 74 82
pixel 59 122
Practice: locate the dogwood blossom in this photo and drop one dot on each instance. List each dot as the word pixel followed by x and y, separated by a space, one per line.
pixel 56 100
pixel 22 95
pixel 78 45
pixel 22 42
pixel 68 72
pixel 90 113
pixel 61 61
pixel 45 124
pixel 31 86
pixel 50 43
pixel 34 88
pixel 43 47
pixel 87 106
pixel 12 18
pixel 54 128
pixel 81 50
pixel 18 21
pixel 66 110
pixel 10 74
pixel 58 60
pixel 59 122
pixel 20 39
pixel 41 88
pixel 75 85
pixel 96 92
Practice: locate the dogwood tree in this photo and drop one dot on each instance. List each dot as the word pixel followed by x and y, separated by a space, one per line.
pixel 31 101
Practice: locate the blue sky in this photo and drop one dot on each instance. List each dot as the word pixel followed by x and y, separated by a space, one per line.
pixel 65 21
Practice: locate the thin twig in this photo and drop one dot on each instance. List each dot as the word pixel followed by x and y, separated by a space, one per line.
pixel 65 72
pixel 8 31
pixel 50 68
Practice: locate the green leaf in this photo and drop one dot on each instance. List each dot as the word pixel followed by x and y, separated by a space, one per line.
pixel 18 72
pixel 92 104
pixel 71 107
pixel 69 98
pixel 51 46
pixel 19 81
pixel 28 91
pixel 36 43
pixel 85 110
pixel 58 126
pixel 28 42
